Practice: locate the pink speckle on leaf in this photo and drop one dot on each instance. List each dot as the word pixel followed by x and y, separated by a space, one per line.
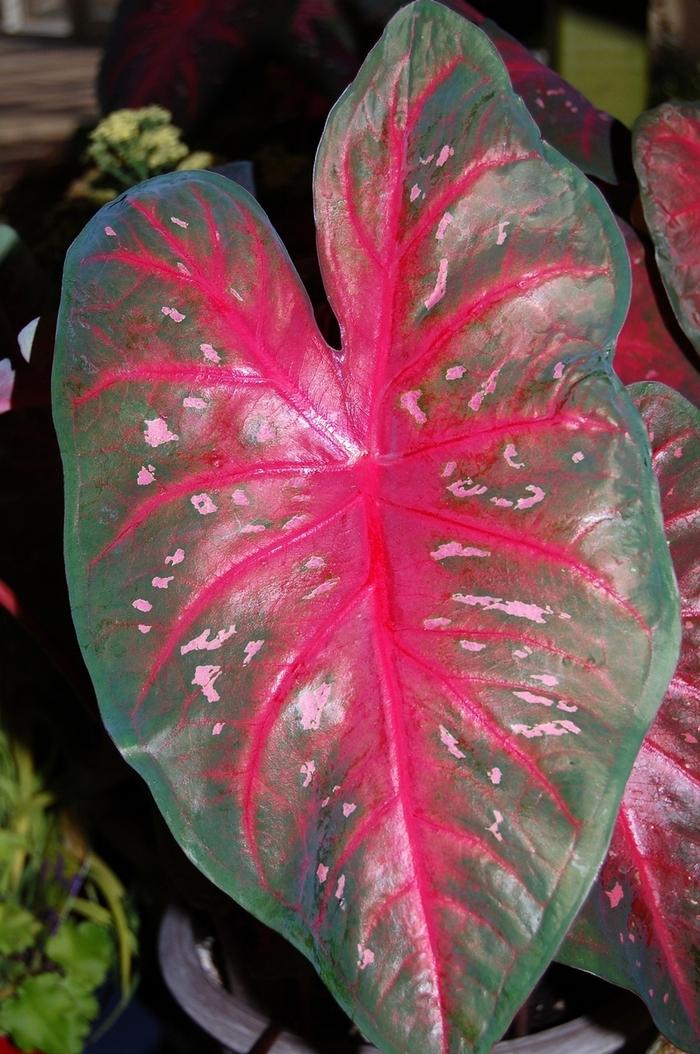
pixel 493 829
pixel 502 503
pixel 446 152
pixel 440 285
pixel 173 313
pixel 365 957
pixel 218 728
pixel 510 454
pixel 203 504
pixel 426 160
pixel 558 371
pixel 147 474
pixel 457 549
pixel 549 728
pixel 202 642
pixel 455 373
pixel 322 873
pixel 615 895
pixel 537 493
pixel 502 233
pixel 315 563
pixel 442 226
pixel 252 528
pixel 495 775
pixel 311 701
pixel 487 388
pixel 409 402
pixel 467 488
pixel 566 707
pixel 449 469
pixel 308 770
pixel 110 232
pixel 157 432
pixel 436 623
pixel 517 608
pixel 178 222
pixel 530 697
pixel 240 498
pixel 678 452
pixel 340 888
pixel 144 628
pixel 415 192
pixel 142 605
pixel 577 457
pixel 204 678
pixel 471 645
pixel 209 354
pixel 193 402
pixel 547 679
pixel 451 743
pixel 251 650
pixel 348 808
pixel 183 269
pixel 177 557
pixel 161 583
pixel 324 587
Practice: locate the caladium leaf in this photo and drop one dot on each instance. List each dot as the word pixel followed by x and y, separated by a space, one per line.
pixel 666 150
pixel 382 628
pixel 639 926
pixel 651 345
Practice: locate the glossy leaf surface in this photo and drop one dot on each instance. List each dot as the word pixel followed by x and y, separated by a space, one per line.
pixel 651 345
pixel 383 628
pixel 666 157
pixel 640 926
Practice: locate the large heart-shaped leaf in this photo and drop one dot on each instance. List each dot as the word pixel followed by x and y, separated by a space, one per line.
pixel 639 926
pixel 652 345
pixel 666 147
pixel 383 628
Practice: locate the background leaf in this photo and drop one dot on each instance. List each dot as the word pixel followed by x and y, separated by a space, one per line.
pixel 383 628
pixel 640 925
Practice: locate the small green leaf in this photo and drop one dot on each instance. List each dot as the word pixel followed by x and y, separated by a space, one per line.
pixel 84 950
pixel 48 1015
pixel 18 928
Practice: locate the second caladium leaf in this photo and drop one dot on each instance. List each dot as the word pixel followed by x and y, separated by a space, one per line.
pixel 383 628
pixel 666 153
pixel 640 925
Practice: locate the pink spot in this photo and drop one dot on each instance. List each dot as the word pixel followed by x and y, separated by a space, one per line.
pixel 315 563
pixel 471 645
pixel 203 504
pixel 455 373
pixel 530 697
pixel 426 160
pixel 173 313
pixel 252 528
pixel 266 433
pixel 340 888
pixel 495 775
pixel 558 371
pixel 522 653
pixel 144 629
pixel 440 285
pixel 442 157
pixel 548 679
pixel 204 678
pixel 615 895
pixel 457 549
pixel 142 605
pixel 161 583
pixel 493 829
pixel 365 957
pixel 561 705
pixel 307 770
pixel 578 456
pixel 665 999
pixel 451 743
pixel 442 226
pixel 466 488
pixel 415 192
pixel 294 521
pixel 311 702
pixel 409 402
pixel 110 232
pixel 436 623
pixel 146 475
pixel 678 452
pixel 689 737
pixel 209 354
pixel 348 808
pixel 448 470
pixel 540 103
pixel 486 389
pixel 203 643
pixel 237 294
pixel 192 402
pixel 502 233
pixel 510 454
pixel 182 269
pixel 324 587
pixel 218 728
pixel 502 503
pixel 178 222
pixel 631 938
pixel 157 432
pixel 240 498
pixel 537 496
pixel 549 728
pixel 177 557
pixel 322 873
pixel 251 650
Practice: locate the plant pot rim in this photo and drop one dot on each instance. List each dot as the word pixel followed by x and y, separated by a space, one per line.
pixel 233 1021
